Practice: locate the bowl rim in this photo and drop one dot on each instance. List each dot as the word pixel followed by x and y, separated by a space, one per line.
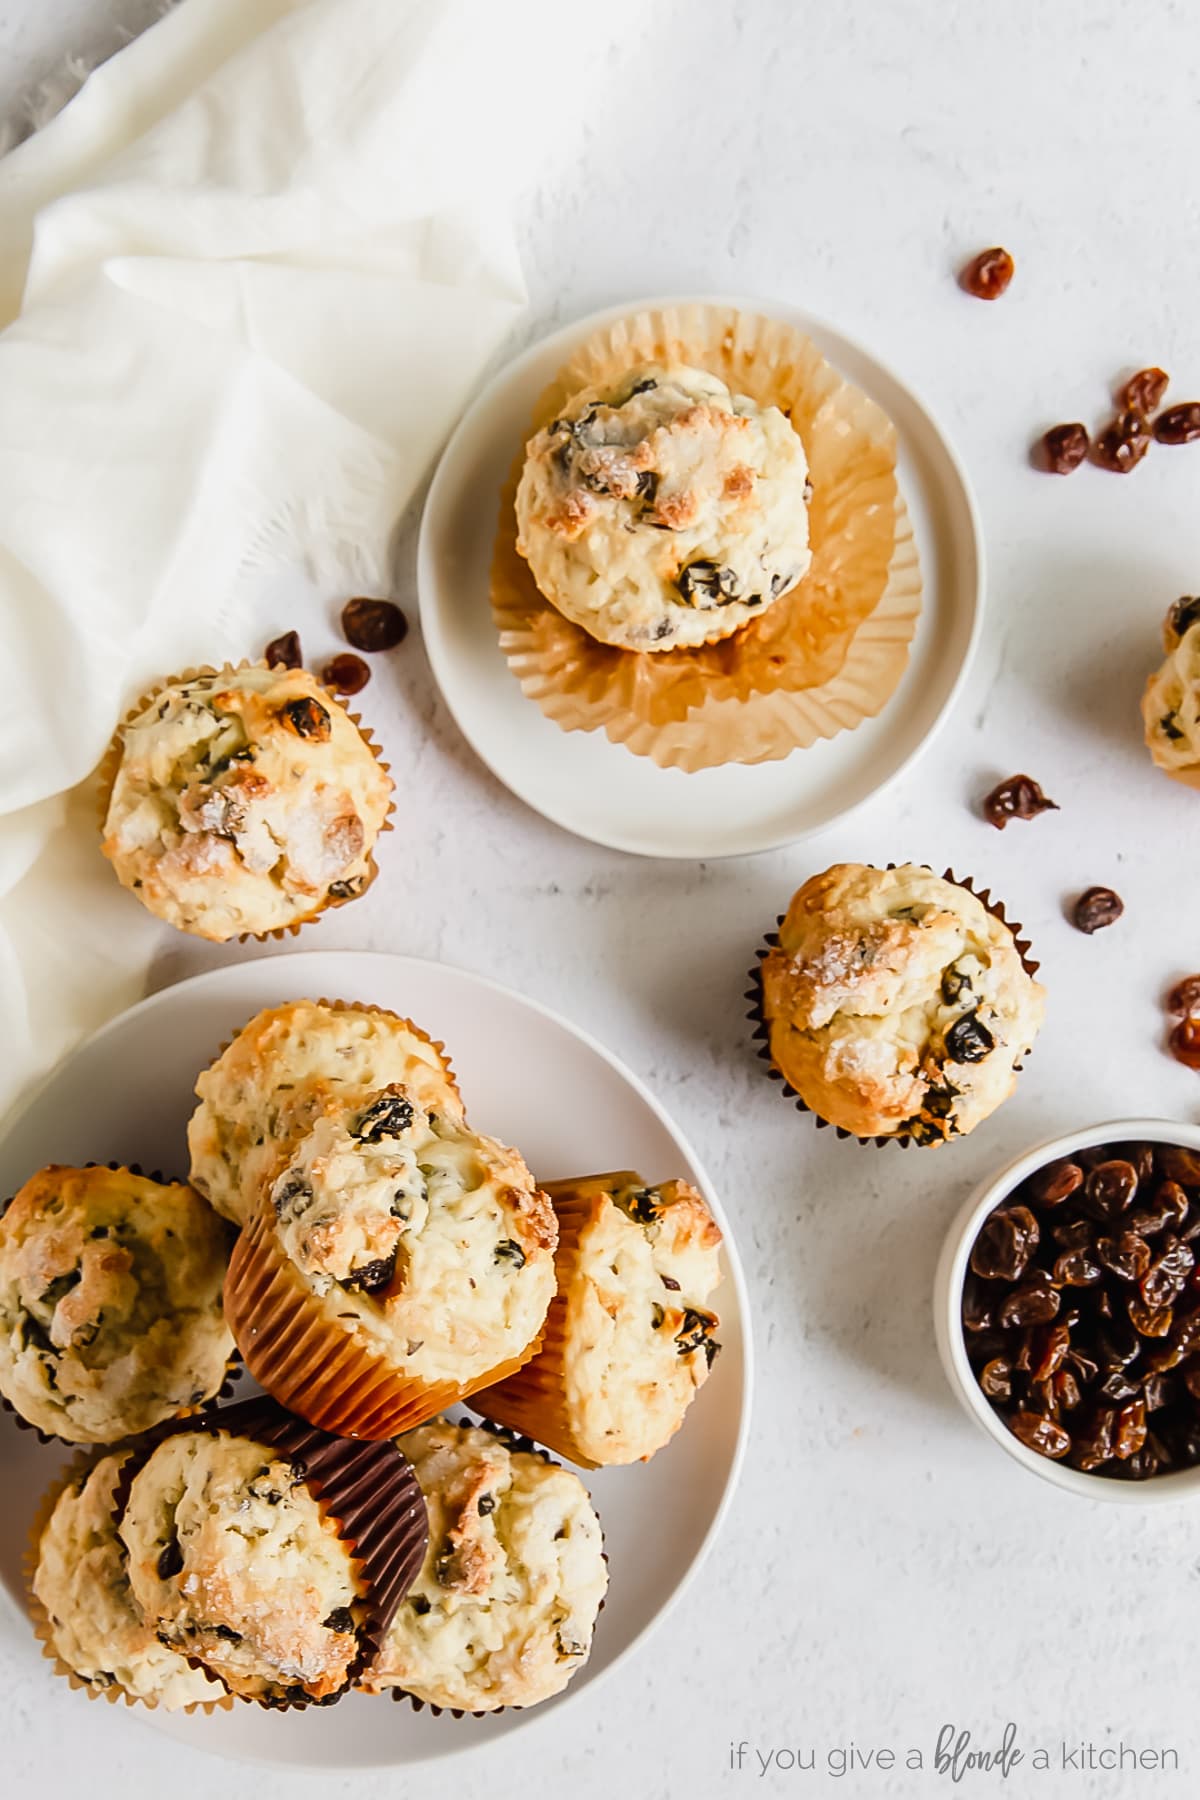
pixel 1183 1484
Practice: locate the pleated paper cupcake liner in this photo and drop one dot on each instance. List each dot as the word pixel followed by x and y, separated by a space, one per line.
pixel 761 1034
pixel 817 661
pixel 110 763
pixel 368 1491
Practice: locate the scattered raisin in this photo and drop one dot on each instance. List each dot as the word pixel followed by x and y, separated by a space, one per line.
pixel 345 673
pixel 1064 447
pixel 372 625
pixel 987 275
pixel 1122 444
pixel 1179 424
pixel 284 652
pixel 1095 908
pixel 1144 391
pixel 1020 797
pixel 1185 1043
pixel 1183 1001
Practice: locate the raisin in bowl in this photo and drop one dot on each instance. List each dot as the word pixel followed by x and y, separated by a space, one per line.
pixel 1067 1310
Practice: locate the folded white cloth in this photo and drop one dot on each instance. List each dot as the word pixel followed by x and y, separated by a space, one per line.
pixel 248 278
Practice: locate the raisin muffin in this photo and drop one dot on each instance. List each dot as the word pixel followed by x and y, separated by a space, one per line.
pixel 92 1622
pixel 503 1610
pixel 244 802
pixel 404 1239
pixel 1171 702
pixel 281 1070
pixel 665 512
pixel 629 1337
pixel 110 1302
pixel 234 1563
pixel 896 1003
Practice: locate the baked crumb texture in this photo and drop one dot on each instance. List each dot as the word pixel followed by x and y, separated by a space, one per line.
pixel 1171 702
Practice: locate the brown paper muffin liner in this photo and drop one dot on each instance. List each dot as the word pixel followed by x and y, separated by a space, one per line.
pixel 77 1470
pixel 513 1441
pixel 368 1491
pixel 233 1365
pixel 762 1035
pixel 820 659
pixel 313 1364
pixel 110 763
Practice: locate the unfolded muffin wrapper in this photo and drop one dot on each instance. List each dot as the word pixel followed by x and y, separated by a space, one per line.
pixel 110 763
pixel 315 1364
pixel 233 1364
pixel 762 1031
pixel 369 1492
pixel 77 1470
pixel 821 658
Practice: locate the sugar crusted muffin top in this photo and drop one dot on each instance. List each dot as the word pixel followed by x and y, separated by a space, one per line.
pixel 244 802
pixel 896 1002
pixel 664 512
pixel 429 1241
pixel 282 1070
pixel 232 1559
pixel 110 1302
pixel 503 1610
pixel 96 1626
pixel 1171 702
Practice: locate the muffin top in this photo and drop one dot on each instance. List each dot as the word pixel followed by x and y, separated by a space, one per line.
pixel 1171 702
pixel 430 1242
pixel 503 1610
pixel 234 1563
pixel 281 1071
pixel 895 1002
pixel 96 1626
pixel 110 1302
pixel 638 1338
pixel 664 512
pixel 244 802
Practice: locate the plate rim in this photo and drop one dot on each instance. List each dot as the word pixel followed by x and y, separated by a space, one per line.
pixel 563 335
pixel 735 1273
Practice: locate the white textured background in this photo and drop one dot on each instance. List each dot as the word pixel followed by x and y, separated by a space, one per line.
pixel 885 1570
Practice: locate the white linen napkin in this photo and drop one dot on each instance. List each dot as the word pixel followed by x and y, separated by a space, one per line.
pixel 248 278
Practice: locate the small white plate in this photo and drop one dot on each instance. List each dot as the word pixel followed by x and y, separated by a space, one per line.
pixel 528 1077
pixel 599 789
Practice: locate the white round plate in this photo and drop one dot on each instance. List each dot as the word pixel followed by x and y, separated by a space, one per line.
pixel 528 1077
pixel 599 789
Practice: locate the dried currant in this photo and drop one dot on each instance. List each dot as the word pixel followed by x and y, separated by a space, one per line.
pixel 1183 1001
pixel 372 625
pixel 283 652
pixel 987 275
pixel 1064 447
pixel 1005 1244
pixel 1051 1186
pixel 1185 1043
pixel 1020 797
pixel 1040 1433
pixel 1179 424
pixel 345 673
pixel 1095 908
pixel 1143 392
pixel 1122 444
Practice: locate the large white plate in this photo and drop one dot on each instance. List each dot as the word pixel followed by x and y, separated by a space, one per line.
pixel 601 790
pixel 526 1076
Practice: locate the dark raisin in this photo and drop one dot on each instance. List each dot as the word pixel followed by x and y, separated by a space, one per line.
pixel 1064 447
pixel 1126 1256
pixel 1050 1186
pixel 60 1287
pixel 1109 1188
pixel 987 275
pixel 696 1331
pixel 1116 1341
pixel 1150 1321
pixel 294 1189
pixel 419 1604
pixel 170 1559
pixel 642 1205
pixel 1120 1385
pixel 1179 424
pixel 345 673
pixel 1129 1433
pixel 1143 391
pixel 1159 1391
pixel 346 890
pixel 1035 1302
pixel 340 1619
pixel 1077 1268
pixel 389 1116
pixel 1122 444
pixel 1005 1244
pixel 284 652
pixel 1184 614
pixel 1039 1432
pixel 647 486
pixel 968 1040
pixel 1020 797
pixel 1048 1348
pixel 508 1250
pixel 485 1505
pixel 373 624
pixel 645 386
pixel 227 1633
pixel 1167 1209
pixel 1179 1164
pixel 1185 1043
pixel 977 1305
pixel 1183 1001
pixel 657 1315
pixel 954 985
pixel 704 581
pixel 1164 1280
pixel 371 1277
pixel 995 1378
pixel 568 1646
pixel 940 1098
pixel 1095 908
pixel 670 1282
pixel 309 719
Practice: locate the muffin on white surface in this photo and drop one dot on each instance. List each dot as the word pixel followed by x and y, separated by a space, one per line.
pixel 1171 702
pixel 664 512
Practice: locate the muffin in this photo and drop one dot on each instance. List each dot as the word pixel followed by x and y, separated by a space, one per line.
pixel 234 1563
pixel 503 1610
pixel 88 1615
pixel 1171 702
pixel 398 1262
pixel 663 511
pixel 243 802
pixel 629 1338
pixel 281 1070
pixel 110 1302
pixel 897 1004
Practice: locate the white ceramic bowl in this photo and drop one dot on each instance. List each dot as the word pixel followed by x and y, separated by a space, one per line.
pixel 947 1312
